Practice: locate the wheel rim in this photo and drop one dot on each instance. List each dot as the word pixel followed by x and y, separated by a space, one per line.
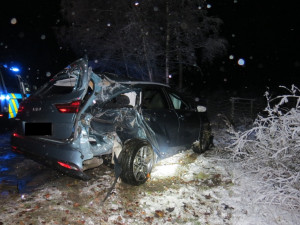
pixel 142 163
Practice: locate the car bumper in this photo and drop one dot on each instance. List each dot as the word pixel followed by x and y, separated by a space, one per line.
pixel 56 154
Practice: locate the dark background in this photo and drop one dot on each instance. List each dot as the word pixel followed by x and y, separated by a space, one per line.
pixel 265 34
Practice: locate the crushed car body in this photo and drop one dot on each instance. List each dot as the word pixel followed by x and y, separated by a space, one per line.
pixel 79 116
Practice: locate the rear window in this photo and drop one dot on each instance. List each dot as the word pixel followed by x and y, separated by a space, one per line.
pixel 61 84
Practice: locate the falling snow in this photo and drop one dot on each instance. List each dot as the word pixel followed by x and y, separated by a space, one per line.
pixel 13 21
pixel 241 62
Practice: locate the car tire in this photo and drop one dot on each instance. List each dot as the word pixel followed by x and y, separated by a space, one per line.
pixel 136 160
pixel 201 145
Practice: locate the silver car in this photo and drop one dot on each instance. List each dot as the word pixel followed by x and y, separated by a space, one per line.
pixel 79 117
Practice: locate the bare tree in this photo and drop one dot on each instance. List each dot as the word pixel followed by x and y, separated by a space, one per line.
pixel 144 38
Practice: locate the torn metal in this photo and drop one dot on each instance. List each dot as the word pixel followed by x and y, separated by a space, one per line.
pixel 113 117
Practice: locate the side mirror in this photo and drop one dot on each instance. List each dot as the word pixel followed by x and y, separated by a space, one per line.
pixel 201 108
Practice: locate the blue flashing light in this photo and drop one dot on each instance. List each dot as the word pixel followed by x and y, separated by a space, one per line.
pixel 14 69
pixel 4 97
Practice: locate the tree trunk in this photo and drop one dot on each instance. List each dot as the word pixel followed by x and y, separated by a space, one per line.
pixel 150 73
pixel 180 78
pixel 167 43
pixel 125 62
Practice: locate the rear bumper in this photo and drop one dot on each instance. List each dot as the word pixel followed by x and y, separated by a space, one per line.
pixel 48 152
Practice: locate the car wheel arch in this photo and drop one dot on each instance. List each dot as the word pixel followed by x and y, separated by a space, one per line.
pixel 128 160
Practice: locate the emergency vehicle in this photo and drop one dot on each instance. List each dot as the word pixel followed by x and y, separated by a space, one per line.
pixel 12 92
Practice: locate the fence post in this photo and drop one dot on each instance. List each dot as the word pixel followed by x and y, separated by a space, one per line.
pixel 251 108
pixel 232 108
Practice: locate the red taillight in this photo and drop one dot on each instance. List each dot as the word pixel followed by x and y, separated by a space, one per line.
pixel 16 135
pixel 72 107
pixel 68 166
pixel 21 109
pixel 64 165
pixel 1 115
pixel 16 150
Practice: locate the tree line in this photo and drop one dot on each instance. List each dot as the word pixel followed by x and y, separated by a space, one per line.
pixel 147 39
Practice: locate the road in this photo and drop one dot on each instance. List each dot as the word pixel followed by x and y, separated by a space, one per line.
pixel 17 174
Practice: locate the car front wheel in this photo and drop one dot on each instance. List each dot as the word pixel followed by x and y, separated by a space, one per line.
pixel 136 159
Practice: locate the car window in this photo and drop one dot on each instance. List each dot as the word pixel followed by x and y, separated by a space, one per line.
pixel 153 99
pixel 178 102
pixel 62 83
pixel 125 100
pixel 8 80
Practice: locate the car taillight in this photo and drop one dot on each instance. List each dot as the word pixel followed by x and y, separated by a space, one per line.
pixel 15 135
pixel 72 107
pixel 68 166
pixel 21 108
pixel 16 150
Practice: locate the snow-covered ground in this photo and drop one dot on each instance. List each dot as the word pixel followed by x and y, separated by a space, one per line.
pixel 184 189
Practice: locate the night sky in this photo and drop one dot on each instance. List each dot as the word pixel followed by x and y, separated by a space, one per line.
pixel 266 35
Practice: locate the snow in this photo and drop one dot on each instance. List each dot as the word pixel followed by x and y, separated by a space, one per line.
pixel 186 188
pixel 13 21
pixel 241 62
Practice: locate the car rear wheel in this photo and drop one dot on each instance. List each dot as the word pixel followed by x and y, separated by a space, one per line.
pixel 201 145
pixel 136 159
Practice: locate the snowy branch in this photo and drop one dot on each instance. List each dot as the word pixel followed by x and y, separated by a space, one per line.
pixel 270 149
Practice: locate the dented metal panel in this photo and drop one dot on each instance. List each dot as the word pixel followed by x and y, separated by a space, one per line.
pixel 106 123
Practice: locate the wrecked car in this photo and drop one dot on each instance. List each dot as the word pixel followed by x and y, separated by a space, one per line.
pixel 79 117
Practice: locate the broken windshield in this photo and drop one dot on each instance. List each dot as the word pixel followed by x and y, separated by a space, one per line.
pixel 66 81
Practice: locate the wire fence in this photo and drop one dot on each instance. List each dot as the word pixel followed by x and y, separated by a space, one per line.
pixel 239 111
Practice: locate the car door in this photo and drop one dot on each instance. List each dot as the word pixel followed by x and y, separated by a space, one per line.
pixel 159 116
pixel 189 119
